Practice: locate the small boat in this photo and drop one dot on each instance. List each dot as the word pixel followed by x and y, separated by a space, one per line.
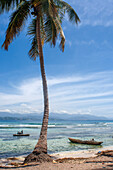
pixel 88 142
pixel 21 134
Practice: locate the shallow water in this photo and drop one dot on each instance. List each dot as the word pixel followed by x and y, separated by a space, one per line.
pixel 58 133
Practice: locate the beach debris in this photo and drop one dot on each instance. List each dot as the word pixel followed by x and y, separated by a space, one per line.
pixel 3 161
pixel 54 162
pixel 16 158
pixel 99 152
pixel 14 163
pixel 106 153
pixel 12 158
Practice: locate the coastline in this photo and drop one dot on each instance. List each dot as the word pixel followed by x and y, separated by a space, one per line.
pixel 63 160
pixel 81 153
pixel 58 135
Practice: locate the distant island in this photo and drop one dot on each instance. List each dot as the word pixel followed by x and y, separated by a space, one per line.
pixel 53 116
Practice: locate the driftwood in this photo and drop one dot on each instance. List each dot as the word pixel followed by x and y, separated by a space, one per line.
pixel 106 153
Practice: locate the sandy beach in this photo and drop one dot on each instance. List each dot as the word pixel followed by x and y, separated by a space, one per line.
pixel 79 160
pixel 82 164
pixel 67 164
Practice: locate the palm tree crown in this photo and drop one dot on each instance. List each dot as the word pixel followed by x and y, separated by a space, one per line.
pixel 51 15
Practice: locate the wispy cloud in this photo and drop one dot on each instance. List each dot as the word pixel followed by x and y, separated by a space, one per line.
pixel 91 42
pixel 94 12
pixel 90 93
pixel 98 45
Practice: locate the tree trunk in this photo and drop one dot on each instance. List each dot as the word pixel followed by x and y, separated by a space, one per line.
pixel 41 146
pixel 40 150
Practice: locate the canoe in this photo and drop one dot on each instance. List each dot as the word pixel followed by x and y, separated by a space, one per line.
pixel 88 142
pixel 21 134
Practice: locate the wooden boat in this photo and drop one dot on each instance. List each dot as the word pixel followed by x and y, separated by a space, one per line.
pixel 21 134
pixel 88 142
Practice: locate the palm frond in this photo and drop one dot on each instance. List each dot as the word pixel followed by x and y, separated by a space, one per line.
pixel 59 30
pixel 50 22
pixel 32 28
pixel 33 52
pixel 16 22
pixel 70 11
pixel 50 31
pixel 53 25
pixel 45 6
pixel 6 5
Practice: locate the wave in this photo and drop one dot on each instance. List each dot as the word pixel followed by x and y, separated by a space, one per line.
pixel 100 124
pixel 85 125
pixel 30 126
pixel 71 126
pixel 110 123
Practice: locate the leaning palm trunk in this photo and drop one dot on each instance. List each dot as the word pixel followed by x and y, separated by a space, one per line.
pixel 40 150
pixel 42 142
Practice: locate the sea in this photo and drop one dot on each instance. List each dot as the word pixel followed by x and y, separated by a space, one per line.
pixel 58 133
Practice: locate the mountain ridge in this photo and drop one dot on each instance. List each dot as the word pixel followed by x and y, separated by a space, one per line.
pixel 53 116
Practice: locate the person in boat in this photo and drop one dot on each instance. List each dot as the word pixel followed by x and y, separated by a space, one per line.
pixel 19 133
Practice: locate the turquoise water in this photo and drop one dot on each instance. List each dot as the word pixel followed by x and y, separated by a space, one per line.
pixel 58 133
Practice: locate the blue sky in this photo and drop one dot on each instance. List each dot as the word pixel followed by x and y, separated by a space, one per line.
pixel 80 80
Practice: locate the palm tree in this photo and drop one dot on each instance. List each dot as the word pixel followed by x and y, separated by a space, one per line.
pixel 47 16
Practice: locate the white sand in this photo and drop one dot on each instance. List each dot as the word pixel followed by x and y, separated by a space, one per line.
pixel 80 154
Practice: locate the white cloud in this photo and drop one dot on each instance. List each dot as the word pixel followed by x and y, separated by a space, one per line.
pixel 5 110
pixel 90 93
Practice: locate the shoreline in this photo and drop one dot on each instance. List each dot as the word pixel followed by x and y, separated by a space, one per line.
pixel 69 157
pixel 84 153
pixel 81 153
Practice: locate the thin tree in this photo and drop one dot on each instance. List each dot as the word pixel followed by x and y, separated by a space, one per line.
pixel 47 16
